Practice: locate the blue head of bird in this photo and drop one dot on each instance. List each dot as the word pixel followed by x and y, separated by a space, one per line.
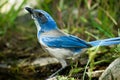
pixel 42 19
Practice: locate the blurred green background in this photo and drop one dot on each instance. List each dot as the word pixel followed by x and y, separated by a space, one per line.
pixel 87 19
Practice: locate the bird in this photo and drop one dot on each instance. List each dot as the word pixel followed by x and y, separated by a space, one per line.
pixel 58 44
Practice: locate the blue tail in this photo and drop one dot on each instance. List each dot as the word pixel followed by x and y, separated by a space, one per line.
pixel 105 42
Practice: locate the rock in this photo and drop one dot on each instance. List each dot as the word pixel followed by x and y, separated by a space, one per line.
pixel 112 72
pixel 44 61
pixel 38 62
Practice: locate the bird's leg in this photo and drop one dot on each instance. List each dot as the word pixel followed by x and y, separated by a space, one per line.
pixel 64 65
pixel 56 72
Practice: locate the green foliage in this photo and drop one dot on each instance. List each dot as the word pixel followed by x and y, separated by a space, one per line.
pixel 8 18
pixel 101 15
pixel 64 78
pixel 98 15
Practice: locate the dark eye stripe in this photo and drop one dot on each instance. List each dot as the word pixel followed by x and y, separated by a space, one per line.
pixel 42 17
pixel 40 14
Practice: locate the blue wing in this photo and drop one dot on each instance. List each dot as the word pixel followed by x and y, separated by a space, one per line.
pixel 65 42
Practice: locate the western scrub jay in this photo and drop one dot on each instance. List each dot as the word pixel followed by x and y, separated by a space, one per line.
pixel 58 44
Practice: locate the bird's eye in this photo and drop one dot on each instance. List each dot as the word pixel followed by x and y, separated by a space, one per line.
pixel 42 17
pixel 40 14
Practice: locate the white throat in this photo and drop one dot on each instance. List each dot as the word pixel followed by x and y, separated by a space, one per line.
pixel 37 25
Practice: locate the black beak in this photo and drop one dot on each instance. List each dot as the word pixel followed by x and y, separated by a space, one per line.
pixel 30 10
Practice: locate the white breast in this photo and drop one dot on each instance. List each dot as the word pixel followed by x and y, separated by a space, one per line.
pixel 60 52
